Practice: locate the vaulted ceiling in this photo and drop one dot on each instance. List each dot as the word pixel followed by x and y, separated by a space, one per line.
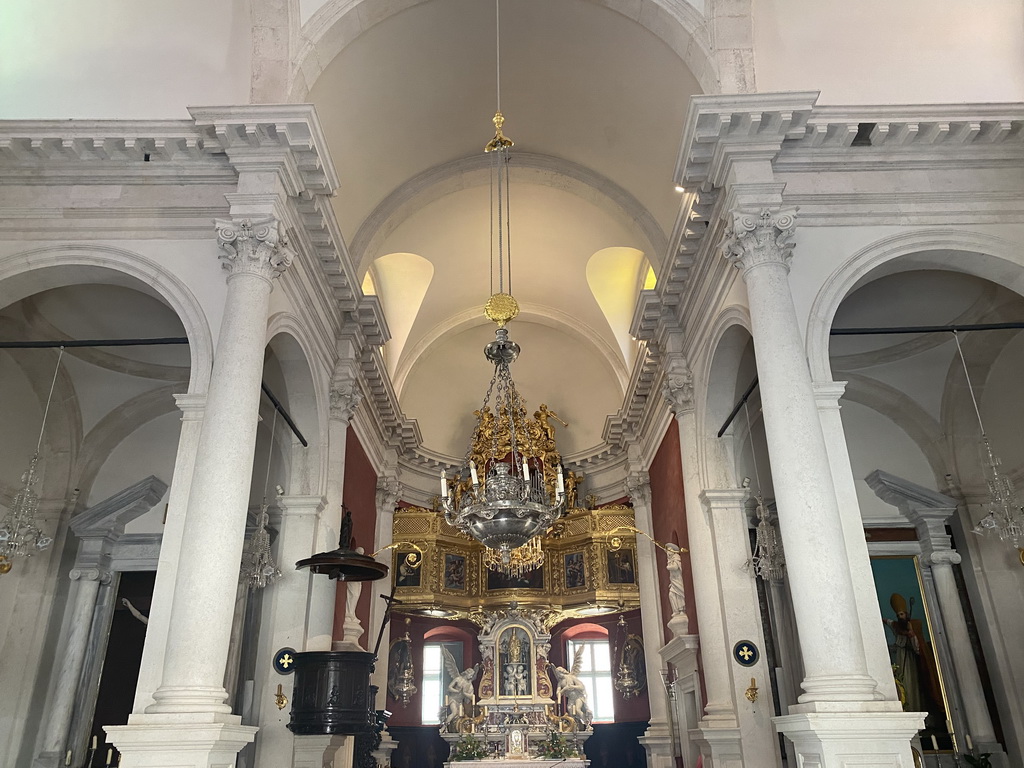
pixel 595 104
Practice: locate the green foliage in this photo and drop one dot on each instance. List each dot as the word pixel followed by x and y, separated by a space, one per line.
pixel 556 746
pixel 468 748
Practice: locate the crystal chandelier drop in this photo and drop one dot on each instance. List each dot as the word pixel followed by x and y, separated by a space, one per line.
pixel 1005 518
pixel 258 567
pixel 20 535
pixel 510 490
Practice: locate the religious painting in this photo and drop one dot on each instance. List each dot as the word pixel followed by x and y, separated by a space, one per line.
pixel 575 574
pixel 621 567
pixel 911 642
pixel 406 574
pixel 515 668
pixel 454 571
pixel 532 579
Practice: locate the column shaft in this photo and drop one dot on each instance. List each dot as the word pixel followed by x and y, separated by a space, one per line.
pixel 719 710
pixel 809 519
pixel 972 693
pixel 876 651
pixel 61 710
pixel 151 668
pixel 741 615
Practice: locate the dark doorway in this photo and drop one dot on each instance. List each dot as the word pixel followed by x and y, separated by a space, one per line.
pixel 121 663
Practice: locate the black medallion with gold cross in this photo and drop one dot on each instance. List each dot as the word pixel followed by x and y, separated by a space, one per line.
pixel 746 653
pixel 284 661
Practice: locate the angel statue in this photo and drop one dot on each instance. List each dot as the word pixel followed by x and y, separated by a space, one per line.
pixel 573 690
pixel 460 698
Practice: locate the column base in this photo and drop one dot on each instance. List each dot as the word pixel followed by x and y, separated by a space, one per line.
pixel 659 744
pixel 842 739
pixel 321 751
pixel 180 741
pixel 720 747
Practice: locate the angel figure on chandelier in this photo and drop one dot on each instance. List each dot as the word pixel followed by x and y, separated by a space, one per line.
pixel 460 697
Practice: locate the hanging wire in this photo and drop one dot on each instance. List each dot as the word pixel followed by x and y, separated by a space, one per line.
pixel 497 48
pixel 508 217
pixel 49 398
pixel 970 386
pixel 259 569
pixel 270 455
pixel 767 561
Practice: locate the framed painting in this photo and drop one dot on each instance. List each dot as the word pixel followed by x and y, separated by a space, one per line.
pixel 910 638
pixel 406 575
pixel 575 571
pixel 454 571
pixel 533 579
pixel 621 566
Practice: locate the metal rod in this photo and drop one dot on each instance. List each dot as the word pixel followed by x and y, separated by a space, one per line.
pixel 284 413
pixel 160 341
pixel 391 601
pixel 925 329
pixel 68 343
pixel 888 331
pixel 736 408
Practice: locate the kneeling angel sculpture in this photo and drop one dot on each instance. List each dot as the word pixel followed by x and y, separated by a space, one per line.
pixel 570 686
pixel 460 697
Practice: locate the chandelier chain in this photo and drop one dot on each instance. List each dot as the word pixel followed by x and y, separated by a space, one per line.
pixel 970 386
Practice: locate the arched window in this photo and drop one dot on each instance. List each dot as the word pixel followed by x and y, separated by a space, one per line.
pixel 595 668
pixel 436 679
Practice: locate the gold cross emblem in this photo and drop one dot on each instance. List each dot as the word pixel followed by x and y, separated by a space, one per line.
pixel 286 660
pixel 746 653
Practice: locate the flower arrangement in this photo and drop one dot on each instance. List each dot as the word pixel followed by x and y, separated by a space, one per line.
pixel 468 748
pixel 556 746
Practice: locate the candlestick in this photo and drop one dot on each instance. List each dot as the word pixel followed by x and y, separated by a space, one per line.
pixel 67 758
pixel 935 744
pixel 444 485
pixel 94 745
pixel 472 472
pixel 110 756
pixel 561 482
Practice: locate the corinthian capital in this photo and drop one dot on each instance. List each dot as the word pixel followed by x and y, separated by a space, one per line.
pixel 345 396
pixel 759 237
pixel 388 491
pixel 638 484
pixel 254 246
pixel 678 385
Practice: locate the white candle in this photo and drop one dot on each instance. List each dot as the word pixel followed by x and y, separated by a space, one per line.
pixel 472 472
pixel 67 758
pixel 444 485
pixel 970 746
pixel 526 471
pixel 561 482
pixel 935 744
pixel 94 742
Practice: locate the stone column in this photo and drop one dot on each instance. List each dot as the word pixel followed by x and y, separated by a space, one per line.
pixel 283 623
pixel 55 740
pixel 929 512
pixel 838 714
pixel 812 532
pixel 190 714
pixel 876 651
pixel 345 397
pixel 192 408
pixel 719 711
pixel 658 738
pixel 741 616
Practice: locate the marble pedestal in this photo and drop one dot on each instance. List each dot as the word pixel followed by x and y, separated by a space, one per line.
pixel 845 739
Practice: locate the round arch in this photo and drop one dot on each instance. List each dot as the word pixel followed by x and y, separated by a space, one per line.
pixel 991 258
pixel 679 25
pixel 305 398
pixel 30 272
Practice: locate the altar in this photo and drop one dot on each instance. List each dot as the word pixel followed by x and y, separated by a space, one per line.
pixel 567 762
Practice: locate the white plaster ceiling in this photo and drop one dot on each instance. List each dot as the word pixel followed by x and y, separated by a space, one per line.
pixel 595 104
